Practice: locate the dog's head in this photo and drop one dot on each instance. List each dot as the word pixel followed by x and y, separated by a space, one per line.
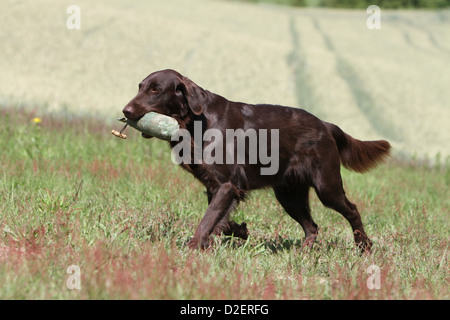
pixel 169 93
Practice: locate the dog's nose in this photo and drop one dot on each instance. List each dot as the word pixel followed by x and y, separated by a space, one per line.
pixel 128 112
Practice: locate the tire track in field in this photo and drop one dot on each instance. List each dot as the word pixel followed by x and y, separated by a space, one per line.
pixel 362 96
pixel 431 38
pixel 296 59
pixel 407 27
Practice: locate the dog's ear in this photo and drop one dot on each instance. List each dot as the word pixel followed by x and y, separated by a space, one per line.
pixel 195 98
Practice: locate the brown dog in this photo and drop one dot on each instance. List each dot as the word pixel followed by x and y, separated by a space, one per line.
pixel 306 152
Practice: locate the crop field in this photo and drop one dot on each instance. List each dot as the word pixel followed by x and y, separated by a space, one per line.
pixel 73 195
pixel 390 83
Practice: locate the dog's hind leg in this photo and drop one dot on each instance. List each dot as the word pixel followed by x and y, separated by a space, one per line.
pixel 295 201
pixel 329 189
pixel 229 227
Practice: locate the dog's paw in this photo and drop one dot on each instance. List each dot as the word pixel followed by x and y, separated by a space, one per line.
pixel 237 230
pixel 196 244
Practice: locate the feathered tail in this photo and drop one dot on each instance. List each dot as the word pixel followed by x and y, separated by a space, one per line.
pixel 357 155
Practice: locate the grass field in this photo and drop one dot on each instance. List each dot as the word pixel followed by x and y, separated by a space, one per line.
pixel 71 194
pixel 122 212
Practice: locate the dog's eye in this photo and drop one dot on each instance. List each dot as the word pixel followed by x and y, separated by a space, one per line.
pixel 154 89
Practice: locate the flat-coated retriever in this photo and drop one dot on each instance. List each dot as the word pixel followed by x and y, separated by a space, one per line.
pixel 308 153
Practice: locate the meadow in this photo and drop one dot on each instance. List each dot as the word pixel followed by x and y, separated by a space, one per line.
pixel 72 194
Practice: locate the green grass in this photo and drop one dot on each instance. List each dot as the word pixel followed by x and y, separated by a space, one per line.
pixel 72 194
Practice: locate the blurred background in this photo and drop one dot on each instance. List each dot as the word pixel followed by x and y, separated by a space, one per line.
pixel 390 83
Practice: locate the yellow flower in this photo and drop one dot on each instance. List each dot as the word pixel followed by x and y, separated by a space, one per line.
pixel 36 120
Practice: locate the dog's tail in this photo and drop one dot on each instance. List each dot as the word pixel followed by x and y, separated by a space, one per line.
pixel 356 155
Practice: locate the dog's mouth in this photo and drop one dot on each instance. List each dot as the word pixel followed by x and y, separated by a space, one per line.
pixel 153 124
pixel 146 136
pixel 124 119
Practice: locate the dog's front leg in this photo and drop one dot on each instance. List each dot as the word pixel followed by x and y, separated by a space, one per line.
pixel 222 202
